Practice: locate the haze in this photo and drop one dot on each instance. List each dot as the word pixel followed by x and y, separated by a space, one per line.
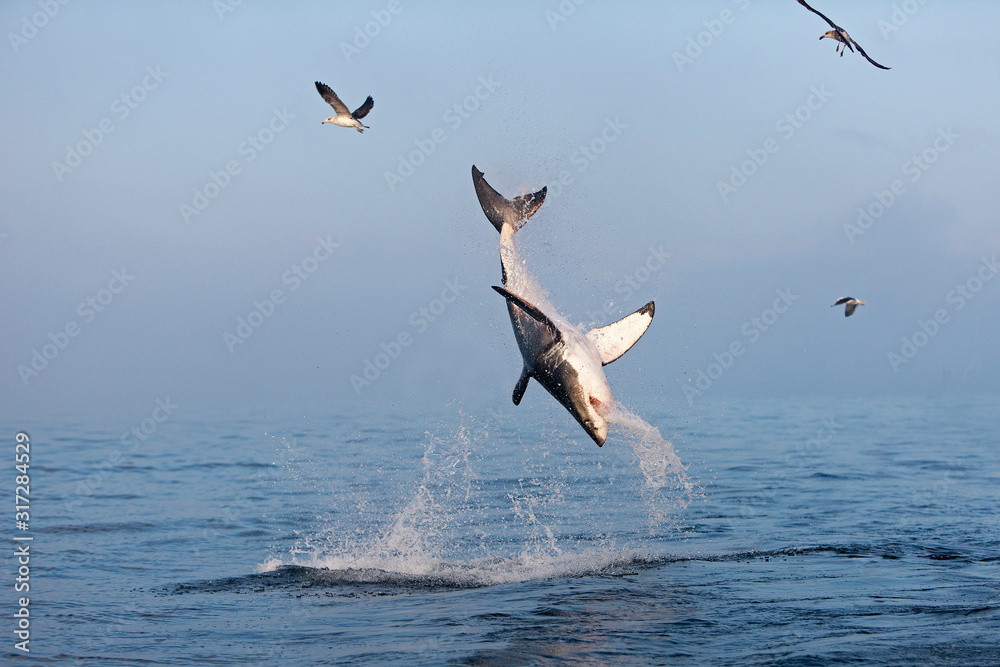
pixel 166 176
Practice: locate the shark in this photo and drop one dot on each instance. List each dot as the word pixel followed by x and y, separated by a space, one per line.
pixel 565 360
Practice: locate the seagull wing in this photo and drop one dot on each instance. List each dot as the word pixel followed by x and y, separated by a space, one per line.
pixel 842 300
pixel 862 52
pixel 363 110
pixel 332 99
pixel 832 24
pixel 849 310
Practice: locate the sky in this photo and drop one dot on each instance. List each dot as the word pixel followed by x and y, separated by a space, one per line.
pixel 177 223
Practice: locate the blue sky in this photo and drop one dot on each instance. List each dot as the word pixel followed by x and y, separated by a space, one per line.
pixel 712 156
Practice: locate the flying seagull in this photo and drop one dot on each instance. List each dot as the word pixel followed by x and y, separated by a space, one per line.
pixel 850 304
pixel 344 117
pixel 839 34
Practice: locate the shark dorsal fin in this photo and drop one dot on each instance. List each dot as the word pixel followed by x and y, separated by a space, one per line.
pixel 616 339
pixel 532 311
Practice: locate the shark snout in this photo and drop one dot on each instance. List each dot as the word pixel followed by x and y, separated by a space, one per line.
pixel 595 424
pixel 597 431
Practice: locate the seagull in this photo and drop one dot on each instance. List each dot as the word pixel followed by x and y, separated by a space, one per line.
pixel 850 304
pixel 840 35
pixel 344 117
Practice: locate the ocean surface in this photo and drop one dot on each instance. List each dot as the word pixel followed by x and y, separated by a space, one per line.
pixel 785 532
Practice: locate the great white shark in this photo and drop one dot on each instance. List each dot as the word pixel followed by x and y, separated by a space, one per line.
pixel 559 356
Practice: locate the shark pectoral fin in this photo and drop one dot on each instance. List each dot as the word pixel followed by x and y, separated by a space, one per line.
pixel 616 339
pixel 531 310
pixel 522 385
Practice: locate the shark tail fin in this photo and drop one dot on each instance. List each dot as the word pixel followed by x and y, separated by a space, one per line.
pixel 501 211
pixel 616 339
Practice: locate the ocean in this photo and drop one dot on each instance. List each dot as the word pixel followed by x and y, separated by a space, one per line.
pixel 754 532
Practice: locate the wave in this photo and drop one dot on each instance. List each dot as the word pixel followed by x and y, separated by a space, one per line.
pixel 474 573
pixel 400 576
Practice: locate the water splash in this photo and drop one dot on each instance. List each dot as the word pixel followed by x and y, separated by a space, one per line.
pixel 450 526
pixel 542 541
pixel 417 537
pixel 658 461
pixel 660 466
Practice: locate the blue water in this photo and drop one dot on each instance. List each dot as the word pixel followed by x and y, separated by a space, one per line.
pixel 800 532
